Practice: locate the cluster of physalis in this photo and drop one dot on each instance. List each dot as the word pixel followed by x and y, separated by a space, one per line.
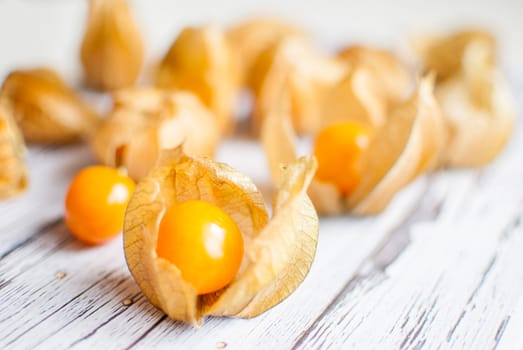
pixel 197 236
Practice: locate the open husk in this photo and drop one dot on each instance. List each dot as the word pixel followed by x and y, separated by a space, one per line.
pixel 292 68
pixel 409 143
pixel 444 54
pixel 477 132
pixel 202 60
pixel 375 83
pixel 46 109
pixel 474 97
pixel 147 120
pixel 278 252
pixel 253 37
pixel 112 49
pixel 13 173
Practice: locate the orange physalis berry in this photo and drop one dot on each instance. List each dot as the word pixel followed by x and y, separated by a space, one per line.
pixel 95 203
pixel 338 149
pixel 203 241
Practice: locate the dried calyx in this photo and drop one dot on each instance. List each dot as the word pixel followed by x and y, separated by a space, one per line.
pixel 13 173
pixel 250 39
pixel 278 252
pixel 146 120
pixel 409 144
pixel 201 60
pixel 112 50
pixel 476 101
pixel 46 109
pixel 292 69
pixel 375 83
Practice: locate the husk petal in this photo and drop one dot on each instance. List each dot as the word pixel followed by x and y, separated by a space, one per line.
pixel 147 120
pixel 281 255
pixel 13 173
pixel 409 144
pixel 202 60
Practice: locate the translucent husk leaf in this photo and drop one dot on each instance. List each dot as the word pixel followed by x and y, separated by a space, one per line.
pixel 475 99
pixel 444 54
pixel 409 144
pixel 278 253
pixel 392 76
pixel 253 37
pixel 13 173
pixel 278 140
pixel 112 50
pixel 358 97
pixel 147 120
pixel 478 130
pixel 280 257
pixel 306 77
pixel 202 60
pixel 46 109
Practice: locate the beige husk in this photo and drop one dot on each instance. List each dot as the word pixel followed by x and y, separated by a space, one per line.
pixel 393 78
pixel 474 97
pixel 147 120
pixel 409 143
pixel 46 109
pixel 112 50
pixel 252 37
pixel 278 253
pixel 202 60
pixel 306 77
pixel 13 173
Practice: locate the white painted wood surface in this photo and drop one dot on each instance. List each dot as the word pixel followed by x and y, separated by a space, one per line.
pixel 441 268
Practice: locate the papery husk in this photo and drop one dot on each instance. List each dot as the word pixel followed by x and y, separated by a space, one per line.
pixel 444 54
pixel 357 97
pixel 13 172
pixel 46 109
pixel 253 37
pixel 474 97
pixel 278 253
pixel 479 128
pixel 202 60
pixel 279 143
pixel 112 51
pixel 409 144
pixel 392 76
pixel 147 120
pixel 293 68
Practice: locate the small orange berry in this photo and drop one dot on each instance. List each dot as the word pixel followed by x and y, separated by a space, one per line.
pixel 338 149
pixel 95 203
pixel 203 241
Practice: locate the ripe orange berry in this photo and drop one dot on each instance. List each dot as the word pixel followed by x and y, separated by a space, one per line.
pixel 95 203
pixel 338 149
pixel 203 241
